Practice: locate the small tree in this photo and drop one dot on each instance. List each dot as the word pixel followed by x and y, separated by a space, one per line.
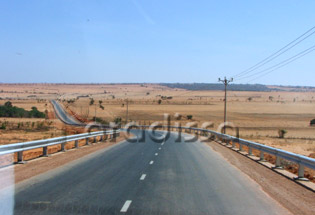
pixel 282 133
pixel 189 117
pixel 159 101
pixel 271 98
pixel 8 104
pixel 91 101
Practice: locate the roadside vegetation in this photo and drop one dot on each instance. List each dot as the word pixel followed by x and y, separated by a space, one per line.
pixel 8 110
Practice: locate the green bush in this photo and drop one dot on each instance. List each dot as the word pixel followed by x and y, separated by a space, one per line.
pixel 3 126
pixel 189 117
pixel 282 133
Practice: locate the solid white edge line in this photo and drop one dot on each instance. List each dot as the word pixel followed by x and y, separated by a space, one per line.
pixel 151 162
pixel 126 206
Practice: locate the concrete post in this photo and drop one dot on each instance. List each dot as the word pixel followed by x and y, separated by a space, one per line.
pixel 301 173
pixel 76 143
pixel 63 147
pixel 45 152
pixel 241 147
pixel 278 163
pixel 262 156
pixel 20 158
pixel 250 151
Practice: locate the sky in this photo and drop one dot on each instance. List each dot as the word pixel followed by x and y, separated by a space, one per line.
pixel 152 41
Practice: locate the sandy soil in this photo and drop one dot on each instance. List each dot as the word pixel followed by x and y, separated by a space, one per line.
pixel 259 119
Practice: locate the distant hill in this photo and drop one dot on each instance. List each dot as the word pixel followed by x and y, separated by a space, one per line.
pixel 237 87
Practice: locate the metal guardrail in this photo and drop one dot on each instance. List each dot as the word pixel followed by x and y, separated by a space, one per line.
pixel 19 148
pixel 301 160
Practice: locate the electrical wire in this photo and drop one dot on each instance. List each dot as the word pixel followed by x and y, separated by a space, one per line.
pixel 276 54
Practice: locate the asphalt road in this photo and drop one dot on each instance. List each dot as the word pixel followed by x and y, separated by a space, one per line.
pixel 145 178
pixel 64 116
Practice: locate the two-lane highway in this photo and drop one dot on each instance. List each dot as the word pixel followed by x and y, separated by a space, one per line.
pixel 146 178
pixel 64 116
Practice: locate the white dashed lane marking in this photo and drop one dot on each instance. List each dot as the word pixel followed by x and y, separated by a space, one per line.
pixel 125 207
pixel 156 154
pixel 160 148
pixel 151 162
pixel 143 177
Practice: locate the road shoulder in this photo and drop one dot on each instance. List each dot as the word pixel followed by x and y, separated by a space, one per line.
pixel 290 195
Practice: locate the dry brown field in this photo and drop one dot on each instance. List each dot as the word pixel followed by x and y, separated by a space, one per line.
pixel 258 118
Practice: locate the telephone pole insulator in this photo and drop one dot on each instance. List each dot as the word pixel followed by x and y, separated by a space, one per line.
pixel 225 82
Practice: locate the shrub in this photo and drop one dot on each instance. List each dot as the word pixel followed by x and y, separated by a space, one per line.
pixel 312 123
pixel 3 126
pixel 159 101
pixel 189 117
pixel 117 120
pixel 282 133
pixel 7 110
pixel 91 101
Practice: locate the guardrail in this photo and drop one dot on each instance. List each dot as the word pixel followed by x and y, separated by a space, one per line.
pixel 301 160
pixel 19 148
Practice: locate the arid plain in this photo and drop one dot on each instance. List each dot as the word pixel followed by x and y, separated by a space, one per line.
pixel 259 115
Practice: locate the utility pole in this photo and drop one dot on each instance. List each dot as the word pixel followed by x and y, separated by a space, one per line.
pixel 225 82
pixel 95 115
pixel 126 112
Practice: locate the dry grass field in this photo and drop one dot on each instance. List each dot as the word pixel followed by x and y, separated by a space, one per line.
pixel 259 115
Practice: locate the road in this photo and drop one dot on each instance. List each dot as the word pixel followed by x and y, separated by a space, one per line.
pixel 64 116
pixel 145 178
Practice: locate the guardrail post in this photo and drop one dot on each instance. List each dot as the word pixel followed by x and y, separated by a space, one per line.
pixel 301 173
pixel 262 156
pixel 101 138
pixel 278 163
pixel 94 139
pixel 241 147
pixel 45 151
pixel 233 143
pixel 63 147
pixel 76 143
pixel 20 158
pixel 87 141
pixel 250 151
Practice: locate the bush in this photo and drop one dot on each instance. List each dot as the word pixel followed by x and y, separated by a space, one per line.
pixel 117 120
pixel 159 101
pixel 91 101
pixel 189 117
pixel 7 110
pixel 100 120
pixel 282 133
pixel 3 126
pixel 312 123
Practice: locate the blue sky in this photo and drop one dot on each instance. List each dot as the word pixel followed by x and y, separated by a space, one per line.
pixel 152 40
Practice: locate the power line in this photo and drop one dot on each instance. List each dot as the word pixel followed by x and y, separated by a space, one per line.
pixel 282 63
pixel 278 53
